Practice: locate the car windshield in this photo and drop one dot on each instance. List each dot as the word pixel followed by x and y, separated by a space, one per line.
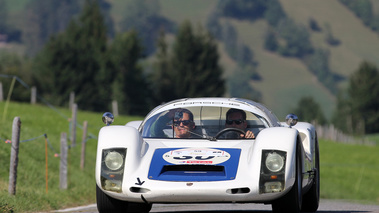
pixel 207 122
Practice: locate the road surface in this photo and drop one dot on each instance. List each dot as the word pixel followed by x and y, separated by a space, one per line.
pixel 332 206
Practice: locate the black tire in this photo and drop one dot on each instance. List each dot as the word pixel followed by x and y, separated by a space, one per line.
pixel 291 202
pixel 107 204
pixel 312 198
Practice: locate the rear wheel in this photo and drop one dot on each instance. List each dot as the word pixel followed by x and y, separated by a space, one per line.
pixel 107 204
pixel 312 198
pixel 291 202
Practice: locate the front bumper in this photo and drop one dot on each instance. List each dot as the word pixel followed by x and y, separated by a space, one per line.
pixel 194 192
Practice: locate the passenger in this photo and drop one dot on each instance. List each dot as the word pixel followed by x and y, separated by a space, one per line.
pixel 236 118
pixel 182 123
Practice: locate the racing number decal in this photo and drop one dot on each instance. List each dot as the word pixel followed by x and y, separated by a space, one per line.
pixel 196 156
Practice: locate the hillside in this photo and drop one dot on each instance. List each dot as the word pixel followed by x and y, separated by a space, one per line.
pixel 284 80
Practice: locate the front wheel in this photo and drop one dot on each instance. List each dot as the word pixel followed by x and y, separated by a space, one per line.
pixel 312 197
pixel 107 204
pixel 291 202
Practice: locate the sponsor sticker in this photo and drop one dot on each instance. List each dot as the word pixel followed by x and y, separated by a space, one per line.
pixel 196 156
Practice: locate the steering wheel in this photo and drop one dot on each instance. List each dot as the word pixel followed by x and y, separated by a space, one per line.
pixel 230 129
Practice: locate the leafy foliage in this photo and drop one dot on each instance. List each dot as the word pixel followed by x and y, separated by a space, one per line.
pixel 3 15
pixel 274 12
pixel 361 8
pixel 192 69
pixel 296 37
pixel 271 41
pixel 329 37
pixel 8 32
pixel 42 22
pixel 313 25
pixel 241 9
pixel 309 110
pixel 318 64
pixel 143 17
pixel 129 85
pixel 72 61
pixel 358 107
pixel 11 64
pixel 239 84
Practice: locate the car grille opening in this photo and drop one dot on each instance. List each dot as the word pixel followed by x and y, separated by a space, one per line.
pixel 194 170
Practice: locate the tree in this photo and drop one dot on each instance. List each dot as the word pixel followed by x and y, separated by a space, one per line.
pixel 192 68
pixel 274 12
pixel 271 42
pixel 241 9
pixel 73 61
pixel 161 78
pixel 239 84
pixel 3 15
pixel 361 8
pixel 297 39
pixel 129 86
pixel 363 91
pixel 318 64
pixel 143 17
pixel 309 110
pixel 11 64
pixel 44 18
pixel 358 106
pixel 195 59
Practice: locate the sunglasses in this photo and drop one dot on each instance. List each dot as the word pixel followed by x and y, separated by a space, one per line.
pixel 238 122
pixel 184 122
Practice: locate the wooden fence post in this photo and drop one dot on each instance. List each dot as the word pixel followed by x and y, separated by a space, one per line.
pixel 73 124
pixel 33 97
pixel 72 100
pixel 63 162
pixel 14 155
pixel 1 92
pixel 115 108
pixel 84 137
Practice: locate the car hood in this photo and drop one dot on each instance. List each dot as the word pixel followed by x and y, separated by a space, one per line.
pixel 194 164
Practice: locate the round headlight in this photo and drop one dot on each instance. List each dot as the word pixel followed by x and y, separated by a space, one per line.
pixel 274 162
pixel 114 160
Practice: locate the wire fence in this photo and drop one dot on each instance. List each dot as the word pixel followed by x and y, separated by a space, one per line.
pixel 329 132
pixel 44 101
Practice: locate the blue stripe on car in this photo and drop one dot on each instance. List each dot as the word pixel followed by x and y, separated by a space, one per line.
pixel 160 169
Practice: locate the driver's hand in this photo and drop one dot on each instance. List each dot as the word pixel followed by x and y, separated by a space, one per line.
pixel 249 134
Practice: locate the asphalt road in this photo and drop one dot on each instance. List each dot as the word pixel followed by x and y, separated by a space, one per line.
pixel 332 206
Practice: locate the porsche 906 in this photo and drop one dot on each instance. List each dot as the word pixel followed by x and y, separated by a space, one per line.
pixel 191 151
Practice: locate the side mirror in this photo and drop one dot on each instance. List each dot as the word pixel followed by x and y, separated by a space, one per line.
pixel 291 120
pixel 108 118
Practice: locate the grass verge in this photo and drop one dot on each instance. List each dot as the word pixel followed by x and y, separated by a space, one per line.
pixel 349 172
pixel 36 120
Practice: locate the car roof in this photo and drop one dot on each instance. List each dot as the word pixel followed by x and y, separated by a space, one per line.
pixel 238 103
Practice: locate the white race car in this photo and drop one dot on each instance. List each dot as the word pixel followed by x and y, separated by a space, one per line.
pixel 191 151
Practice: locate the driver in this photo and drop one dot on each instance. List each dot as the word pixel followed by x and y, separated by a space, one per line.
pixel 236 118
pixel 182 123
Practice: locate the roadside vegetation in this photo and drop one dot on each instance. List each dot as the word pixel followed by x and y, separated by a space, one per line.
pixel 37 120
pixel 347 171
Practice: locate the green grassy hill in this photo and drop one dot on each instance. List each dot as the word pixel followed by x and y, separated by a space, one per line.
pixel 284 80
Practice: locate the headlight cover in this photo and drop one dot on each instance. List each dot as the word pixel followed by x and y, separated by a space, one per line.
pixel 272 175
pixel 112 169
pixel 274 162
pixel 114 160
